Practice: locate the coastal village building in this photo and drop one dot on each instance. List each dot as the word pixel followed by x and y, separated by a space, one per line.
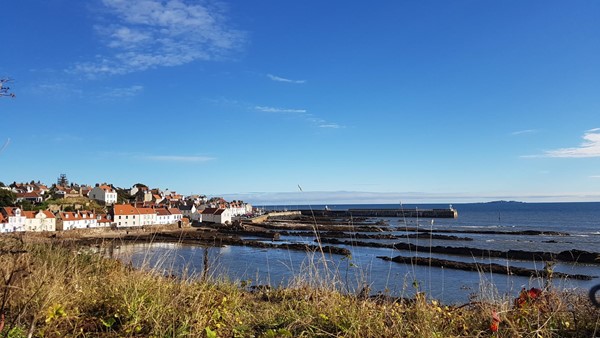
pixel 239 208
pixel 163 216
pixel 104 194
pixel 188 210
pixel 196 216
pixel 68 192
pixel 176 215
pixel 103 221
pixel 42 220
pixel 14 220
pixel 3 224
pixel 38 188
pixel 216 215
pixel 156 198
pixel 82 219
pixel 147 216
pixel 141 194
pixel 84 190
pixel 32 197
pixel 125 215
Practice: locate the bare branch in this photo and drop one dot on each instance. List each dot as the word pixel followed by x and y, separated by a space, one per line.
pixel 4 89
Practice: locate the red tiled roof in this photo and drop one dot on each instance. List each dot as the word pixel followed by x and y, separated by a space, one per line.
pixel 31 214
pixel 146 211
pixel 162 211
pixel 106 188
pixel 209 211
pixel 10 211
pixel 76 216
pixel 124 209
pixel 174 211
pixel 28 194
pixel 28 214
pixel 2 219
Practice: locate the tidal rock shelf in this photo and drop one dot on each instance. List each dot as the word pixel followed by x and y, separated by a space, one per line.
pixel 484 232
pixel 356 235
pixel 494 268
pixel 571 256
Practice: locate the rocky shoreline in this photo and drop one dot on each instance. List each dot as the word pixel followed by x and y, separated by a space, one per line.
pixel 487 268
pixel 331 234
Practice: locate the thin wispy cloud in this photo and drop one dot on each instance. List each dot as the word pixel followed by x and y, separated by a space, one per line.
pixel 5 145
pixel 279 110
pixel 595 176
pixel 301 113
pixel 174 158
pixel 590 147
pixel 146 34
pixel 526 131
pixel 330 125
pixel 282 79
pixel 125 92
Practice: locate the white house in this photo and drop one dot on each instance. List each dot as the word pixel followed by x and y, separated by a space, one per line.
pixel 197 216
pixel 42 220
pixel 176 215
pixel 103 221
pixel 3 224
pixel 187 210
pixel 103 193
pixel 148 216
pixel 78 220
pixel 237 208
pixel 163 216
pixel 125 215
pixel 14 220
pixel 216 215
pixel 33 197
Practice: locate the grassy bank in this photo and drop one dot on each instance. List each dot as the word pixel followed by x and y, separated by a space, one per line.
pixel 57 290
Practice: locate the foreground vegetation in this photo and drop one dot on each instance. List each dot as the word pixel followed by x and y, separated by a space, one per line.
pixel 57 290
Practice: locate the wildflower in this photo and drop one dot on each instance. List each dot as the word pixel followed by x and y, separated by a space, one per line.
pixel 527 296
pixel 534 293
pixel 495 322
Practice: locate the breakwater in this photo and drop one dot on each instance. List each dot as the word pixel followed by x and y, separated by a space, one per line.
pixel 411 213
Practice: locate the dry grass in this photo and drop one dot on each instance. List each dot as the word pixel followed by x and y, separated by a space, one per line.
pixel 53 290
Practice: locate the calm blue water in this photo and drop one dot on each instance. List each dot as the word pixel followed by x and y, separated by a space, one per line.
pixel 281 267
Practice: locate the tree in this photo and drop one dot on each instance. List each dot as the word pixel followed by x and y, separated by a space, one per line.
pixel 7 198
pixel 122 195
pixel 4 89
pixel 27 205
pixel 62 180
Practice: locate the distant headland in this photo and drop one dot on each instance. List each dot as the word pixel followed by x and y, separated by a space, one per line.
pixel 504 202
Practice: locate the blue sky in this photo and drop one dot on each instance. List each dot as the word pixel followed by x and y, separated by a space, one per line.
pixel 413 101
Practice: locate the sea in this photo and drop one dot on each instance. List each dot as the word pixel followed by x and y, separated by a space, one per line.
pixel 577 226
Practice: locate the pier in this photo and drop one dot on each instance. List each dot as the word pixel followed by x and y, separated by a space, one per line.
pixel 410 213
